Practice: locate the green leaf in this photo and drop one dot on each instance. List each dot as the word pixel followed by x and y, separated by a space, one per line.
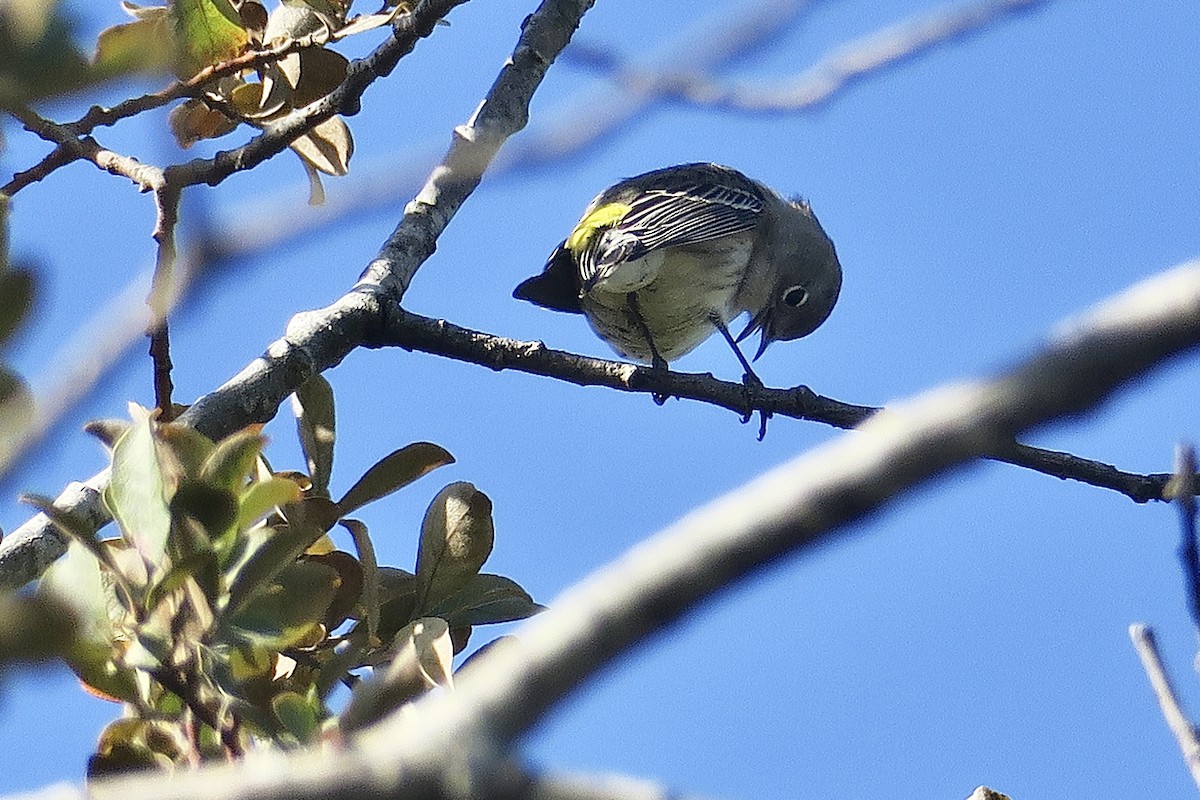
pixel 16 409
pixel 486 599
pixel 456 539
pixel 33 628
pixel 136 492
pixel 278 552
pixel 287 610
pixel 393 472
pixel 78 530
pixel 77 581
pixel 206 32
pixel 263 496
pixel 184 447
pixel 300 715
pixel 233 460
pixel 144 45
pixel 350 585
pixel 314 409
pixel 214 507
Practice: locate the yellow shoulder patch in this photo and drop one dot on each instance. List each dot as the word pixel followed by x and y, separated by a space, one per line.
pixel 603 217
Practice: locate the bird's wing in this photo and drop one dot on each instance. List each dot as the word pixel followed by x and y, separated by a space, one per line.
pixel 684 213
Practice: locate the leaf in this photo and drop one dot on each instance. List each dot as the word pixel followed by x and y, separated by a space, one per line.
pixel 263 496
pixel 278 552
pixel 144 45
pixel 301 716
pixel 136 492
pixel 233 460
pixel 456 539
pixel 392 472
pixel 16 409
pixel 33 628
pixel 77 529
pixel 327 147
pixel 315 422
pixel 320 72
pixel 206 32
pixel 16 298
pixel 195 120
pixel 350 585
pixel 423 656
pixel 107 430
pixel 77 581
pixel 288 610
pixel 184 447
pixel 214 507
pixel 486 599
pixel 365 22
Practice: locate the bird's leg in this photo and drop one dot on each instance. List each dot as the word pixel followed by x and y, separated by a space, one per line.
pixel 657 362
pixel 750 381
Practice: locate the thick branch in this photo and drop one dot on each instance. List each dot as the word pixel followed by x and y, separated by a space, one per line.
pixel 452 744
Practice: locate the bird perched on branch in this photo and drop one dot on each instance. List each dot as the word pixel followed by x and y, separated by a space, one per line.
pixel 661 261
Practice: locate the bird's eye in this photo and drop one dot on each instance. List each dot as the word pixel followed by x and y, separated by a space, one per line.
pixel 795 296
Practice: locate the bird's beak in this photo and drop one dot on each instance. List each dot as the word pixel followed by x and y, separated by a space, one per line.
pixel 760 321
pixel 763 343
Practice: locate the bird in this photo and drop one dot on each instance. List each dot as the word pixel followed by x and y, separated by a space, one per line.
pixel 661 261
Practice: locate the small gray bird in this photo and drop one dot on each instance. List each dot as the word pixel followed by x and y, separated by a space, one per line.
pixel 662 260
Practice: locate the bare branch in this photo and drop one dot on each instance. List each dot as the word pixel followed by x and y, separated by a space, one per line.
pixel 438 337
pixel 453 744
pixel 147 176
pixel 1168 702
pixel 831 74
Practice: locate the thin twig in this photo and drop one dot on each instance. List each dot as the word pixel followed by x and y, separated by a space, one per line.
pixel 1168 702
pixel 165 291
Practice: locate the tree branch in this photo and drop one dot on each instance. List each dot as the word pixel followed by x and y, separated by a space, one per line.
pixel 1168 702
pixel 818 84
pixel 317 340
pixel 453 744
pixel 438 337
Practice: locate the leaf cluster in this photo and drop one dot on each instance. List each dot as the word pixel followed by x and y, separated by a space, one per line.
pixel 223 615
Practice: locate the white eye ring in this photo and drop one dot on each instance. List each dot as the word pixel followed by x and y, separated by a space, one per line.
pixel 795 296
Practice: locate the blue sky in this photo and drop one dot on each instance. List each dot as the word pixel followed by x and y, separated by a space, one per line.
pixel 974 632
